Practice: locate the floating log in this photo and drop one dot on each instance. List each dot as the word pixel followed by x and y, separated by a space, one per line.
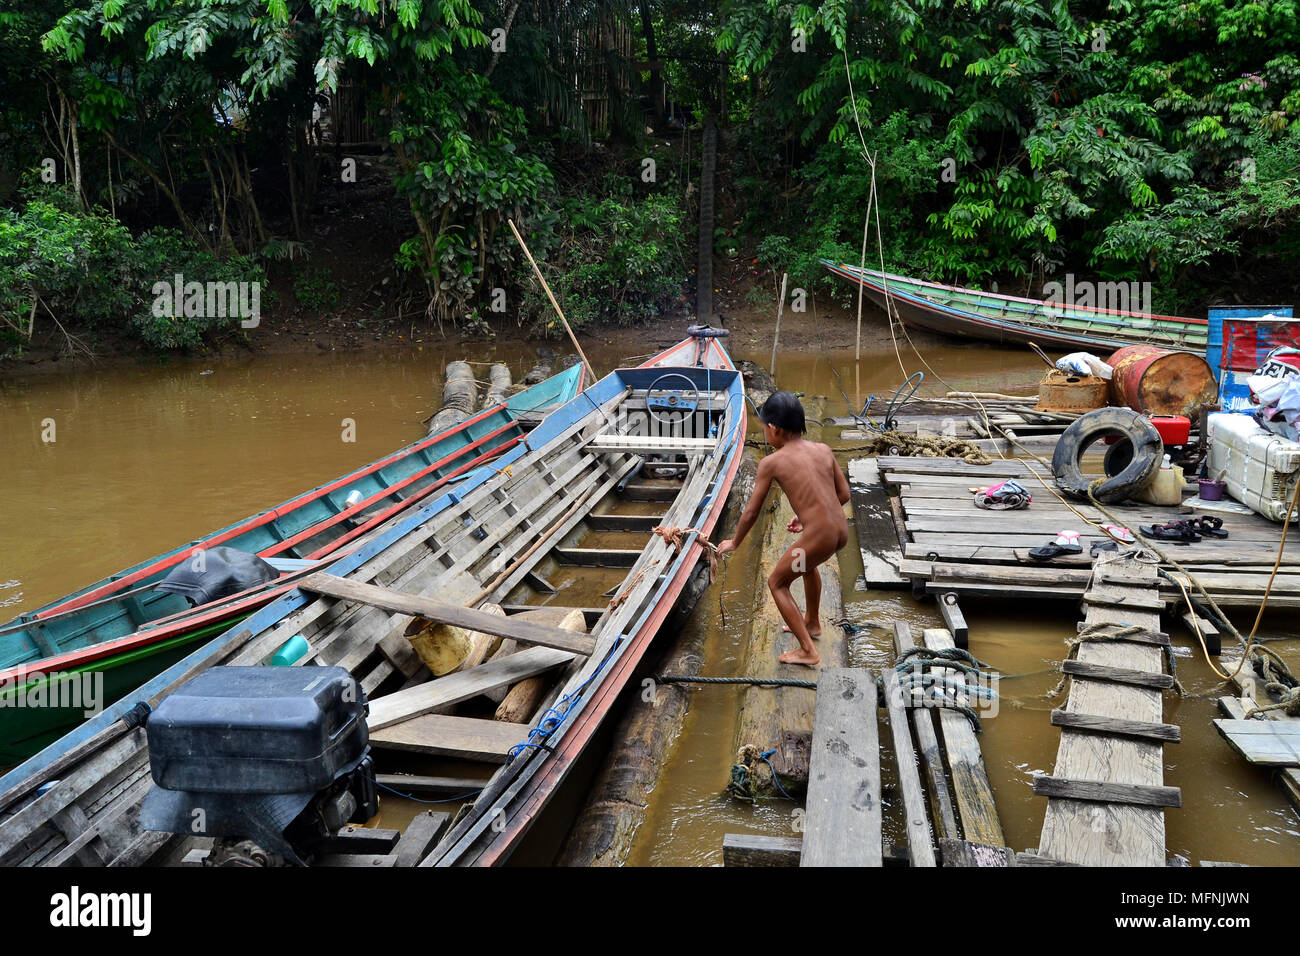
pixel 457 397
pixel 758 382
pixel 520 701
pixel 499 382
pixel 777 717
pixel 604 831
pixel 541 369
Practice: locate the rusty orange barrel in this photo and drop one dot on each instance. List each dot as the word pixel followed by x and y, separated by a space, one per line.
pixel 1156 381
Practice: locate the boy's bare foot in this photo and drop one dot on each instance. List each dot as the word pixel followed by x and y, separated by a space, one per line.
pixel 814 628
pixel 800 656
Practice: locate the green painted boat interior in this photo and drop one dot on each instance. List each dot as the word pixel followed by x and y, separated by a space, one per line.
pixel 38 712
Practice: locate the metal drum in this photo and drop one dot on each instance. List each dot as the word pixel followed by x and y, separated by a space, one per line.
pixel 1156 381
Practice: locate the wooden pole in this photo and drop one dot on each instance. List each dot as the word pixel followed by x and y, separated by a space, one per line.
pixel 542 279
pixel 780 308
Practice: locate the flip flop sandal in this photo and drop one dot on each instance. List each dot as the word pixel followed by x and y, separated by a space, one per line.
pixel 1107 545
pixel 1117 533
pixel 1178 532
pixel 1067 542
pixel 1209 526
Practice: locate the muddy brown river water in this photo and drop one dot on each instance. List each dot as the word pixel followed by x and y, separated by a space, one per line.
pixel 145 458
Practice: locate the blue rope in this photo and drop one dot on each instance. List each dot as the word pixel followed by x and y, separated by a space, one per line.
pixel 455 799
pixel 775 779
pixel 552 719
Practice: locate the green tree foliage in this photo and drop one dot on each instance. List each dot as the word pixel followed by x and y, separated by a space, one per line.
pixel 1112 135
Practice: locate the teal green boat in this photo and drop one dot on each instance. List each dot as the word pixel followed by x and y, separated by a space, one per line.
pixel 61 663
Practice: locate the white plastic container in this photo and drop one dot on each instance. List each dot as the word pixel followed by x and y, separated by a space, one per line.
pixel 1260 468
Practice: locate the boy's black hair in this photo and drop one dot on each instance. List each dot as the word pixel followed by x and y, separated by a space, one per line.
pixel 784 411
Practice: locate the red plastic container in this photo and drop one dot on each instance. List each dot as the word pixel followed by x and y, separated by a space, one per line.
pixel 1173 429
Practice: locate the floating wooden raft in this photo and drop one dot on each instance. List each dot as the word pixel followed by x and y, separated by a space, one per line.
pixel 1107 795
pixel 950 546
pixel 1270 738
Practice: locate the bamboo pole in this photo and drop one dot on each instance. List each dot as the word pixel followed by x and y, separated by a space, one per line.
pixel 542 279
pixel 780 308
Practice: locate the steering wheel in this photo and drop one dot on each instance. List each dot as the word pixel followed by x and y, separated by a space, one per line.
pixel 674 401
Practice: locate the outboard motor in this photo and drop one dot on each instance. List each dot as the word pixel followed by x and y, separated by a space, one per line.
pixel 270 761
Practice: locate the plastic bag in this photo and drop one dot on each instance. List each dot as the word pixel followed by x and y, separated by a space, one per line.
pixel 1084 363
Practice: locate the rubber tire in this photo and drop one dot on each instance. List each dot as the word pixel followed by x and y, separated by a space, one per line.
pixel 1148 450
pixel 1117 457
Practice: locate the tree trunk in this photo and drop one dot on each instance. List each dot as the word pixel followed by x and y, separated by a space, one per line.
pixel 776 717
pixel 657 91
pixel 522 700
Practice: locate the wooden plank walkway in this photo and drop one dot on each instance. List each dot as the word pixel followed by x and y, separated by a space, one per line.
pixel 962 801
pixel 874 525
pixel 950 546
pixel 842 822
pixel 1106 795
pixel 970 781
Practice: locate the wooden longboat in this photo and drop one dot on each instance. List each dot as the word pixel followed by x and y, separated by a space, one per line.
pixel 538 512
pixel 970 313
pixel 123 629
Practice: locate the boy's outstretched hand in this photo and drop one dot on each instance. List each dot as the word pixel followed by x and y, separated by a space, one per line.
pixel 795 526
pixel 727 547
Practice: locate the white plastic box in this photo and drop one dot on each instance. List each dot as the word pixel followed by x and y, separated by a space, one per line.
pixel 1261 468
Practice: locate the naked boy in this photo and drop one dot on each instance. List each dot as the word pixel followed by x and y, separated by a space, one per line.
pixel 817 490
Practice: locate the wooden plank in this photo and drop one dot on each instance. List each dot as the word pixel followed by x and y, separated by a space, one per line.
pixel 405 783
pixel 1126 600
pixel 953 619
pixel 842 823
pixel 441 735
pixel 874 526
pixel 1102 792
pixel 420 834
pixel 354 860
pixel 970 781
pixel 1155 638
pixel 1168 733
pixel 597 557
pixel 931 756
pixel 920 841
pixel 525 632
pixel 641 491
pixel 359 839
pixel 962 853
pixel 752 849
pixel 1267 743
pixel 651 444
pixel 425 698
pixel 951 466
pixel 1208 631
pixel 1086 832
pixel 618 522
pixel 1034 859
pixel 1004 592
pixel 1120 675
